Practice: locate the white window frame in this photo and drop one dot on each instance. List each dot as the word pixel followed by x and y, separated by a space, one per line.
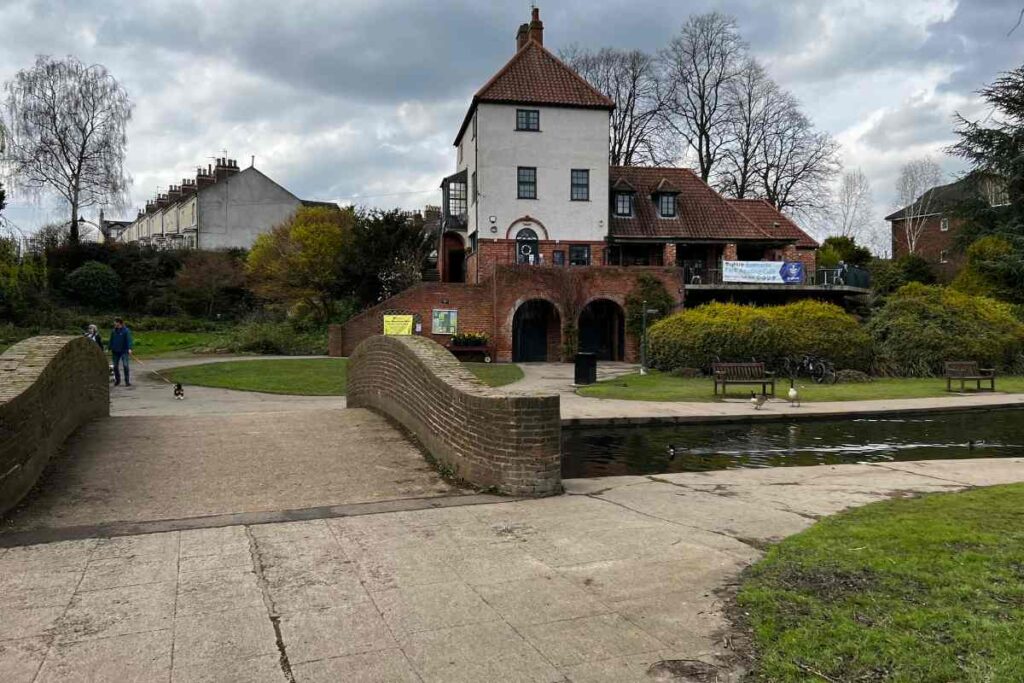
pixel 943 224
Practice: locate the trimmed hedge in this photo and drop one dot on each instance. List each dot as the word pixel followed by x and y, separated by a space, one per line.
pixel 920 327
pixel 94 284
pixel 696 337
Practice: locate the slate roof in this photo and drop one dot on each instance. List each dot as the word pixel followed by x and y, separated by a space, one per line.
pixel 535 76
pixel 943 198
pixel 770 219
pixel 702 213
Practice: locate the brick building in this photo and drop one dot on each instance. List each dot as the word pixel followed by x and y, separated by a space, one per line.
pixel 933 219
pixel 541 241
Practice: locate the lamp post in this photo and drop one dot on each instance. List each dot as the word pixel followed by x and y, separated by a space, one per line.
pixel 643 336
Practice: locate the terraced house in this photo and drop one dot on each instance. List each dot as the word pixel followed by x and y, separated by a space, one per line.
pixel 222 207
pixel 542 241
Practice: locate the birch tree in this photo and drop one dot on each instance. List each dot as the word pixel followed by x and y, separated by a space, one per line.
pixel 65 125
pixel 698 67
pixel 914 196
pixel 852 206
pixel 637 126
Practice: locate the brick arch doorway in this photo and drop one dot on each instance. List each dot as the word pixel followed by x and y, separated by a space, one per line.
pixel 602 329
pixel 453 251
pixel 536 332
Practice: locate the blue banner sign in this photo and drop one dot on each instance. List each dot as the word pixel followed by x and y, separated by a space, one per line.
pixel 763 272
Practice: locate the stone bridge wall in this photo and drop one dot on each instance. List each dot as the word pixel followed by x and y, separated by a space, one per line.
pixel 488 437
pixel 49 386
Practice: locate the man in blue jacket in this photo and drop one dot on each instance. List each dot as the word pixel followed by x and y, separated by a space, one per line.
pixel 120 349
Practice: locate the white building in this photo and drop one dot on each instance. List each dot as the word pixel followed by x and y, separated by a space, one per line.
pixel 532 160
pixel 224 207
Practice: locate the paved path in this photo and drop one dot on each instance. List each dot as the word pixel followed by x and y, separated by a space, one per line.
pixel 576 409
pixel 621 580
pixel 150 395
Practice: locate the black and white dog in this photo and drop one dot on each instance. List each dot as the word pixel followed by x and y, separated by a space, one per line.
pixel 179 392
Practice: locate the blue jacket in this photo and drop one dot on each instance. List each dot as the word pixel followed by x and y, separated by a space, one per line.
pixel 120 340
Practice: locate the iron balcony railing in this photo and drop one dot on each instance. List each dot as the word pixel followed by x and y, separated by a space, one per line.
pixel 845 276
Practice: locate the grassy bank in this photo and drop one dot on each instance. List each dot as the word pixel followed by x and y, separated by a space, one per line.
pixel 658 386
pixel 928 589
pixel 303 376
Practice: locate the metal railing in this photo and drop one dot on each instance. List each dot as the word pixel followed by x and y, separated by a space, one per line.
pixel 846 276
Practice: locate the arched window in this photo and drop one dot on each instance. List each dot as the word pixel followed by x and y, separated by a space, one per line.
pixel 527 246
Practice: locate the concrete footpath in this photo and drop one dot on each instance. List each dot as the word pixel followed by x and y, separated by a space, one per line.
pixel 583 411
pixel 622 579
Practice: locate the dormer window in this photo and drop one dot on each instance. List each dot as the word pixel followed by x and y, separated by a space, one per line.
pixel 528 119
pixel 624 204
pixel 666 205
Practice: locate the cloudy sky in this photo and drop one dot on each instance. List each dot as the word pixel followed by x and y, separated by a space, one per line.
pixel 359 100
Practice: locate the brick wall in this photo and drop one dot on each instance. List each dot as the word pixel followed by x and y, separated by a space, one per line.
pixel 931 245
pixel 473 302
pixel 569 290
pixel 49 386
pixel 492 253
pixel 488 437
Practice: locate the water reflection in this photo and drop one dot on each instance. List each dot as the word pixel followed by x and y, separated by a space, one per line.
pixel 651 450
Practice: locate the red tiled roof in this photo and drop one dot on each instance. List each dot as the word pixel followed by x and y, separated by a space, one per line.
pixel 770 219
pixel 702 213
pixel 535 76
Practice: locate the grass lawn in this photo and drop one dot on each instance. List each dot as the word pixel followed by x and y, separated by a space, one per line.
pixel 658 386
pixel 303 376
pixel 926 589
pixel 156 342
pixel 496 374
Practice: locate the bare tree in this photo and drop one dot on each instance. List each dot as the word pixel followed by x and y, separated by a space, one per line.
pixel 914 197
pixel 749 96
pixel 852 206
pixel 637 134
pixel 698 67
pixel 66 126
pixel 797 163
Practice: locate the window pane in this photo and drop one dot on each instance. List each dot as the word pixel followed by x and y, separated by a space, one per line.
pixel 558 258
pixel 527 119
pixel 623 204
pixel 527 182
pixel 580 181
pixel 667 205
pixel 579 255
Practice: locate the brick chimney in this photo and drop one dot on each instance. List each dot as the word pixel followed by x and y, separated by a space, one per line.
pixel 173 194
pixel 188 187
pixel 522 35
pixel 224 168
pixel 536 30
pixel 161 201
pixel 204 177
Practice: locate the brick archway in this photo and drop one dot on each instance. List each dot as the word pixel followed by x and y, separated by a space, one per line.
pixel 526 222
pixel 536 331
pixel 601 329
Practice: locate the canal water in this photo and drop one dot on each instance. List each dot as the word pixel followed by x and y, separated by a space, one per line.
pixel 600 452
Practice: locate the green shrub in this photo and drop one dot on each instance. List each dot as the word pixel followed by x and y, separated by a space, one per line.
pixel 469 339
pixel 278 338
pixel 94 284
pixel 920 327
pixel 697 337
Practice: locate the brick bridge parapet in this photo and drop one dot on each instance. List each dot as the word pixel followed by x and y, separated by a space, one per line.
pixel 49 386
pixel 488 437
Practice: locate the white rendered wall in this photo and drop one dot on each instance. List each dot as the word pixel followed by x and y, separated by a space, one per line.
pixel 233 211
pixel 568 139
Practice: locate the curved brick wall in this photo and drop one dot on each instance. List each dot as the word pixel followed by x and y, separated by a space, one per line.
pixel 488 437
pixel 49 386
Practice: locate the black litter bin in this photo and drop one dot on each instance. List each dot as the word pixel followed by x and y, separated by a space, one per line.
pixel 586 368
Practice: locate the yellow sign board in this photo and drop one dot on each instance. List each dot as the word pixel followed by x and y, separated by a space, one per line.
pixel 398 325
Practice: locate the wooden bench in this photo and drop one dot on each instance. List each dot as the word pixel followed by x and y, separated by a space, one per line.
pixel 743 373
pixel 968 371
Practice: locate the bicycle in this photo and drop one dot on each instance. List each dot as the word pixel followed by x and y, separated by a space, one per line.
pixel 818 369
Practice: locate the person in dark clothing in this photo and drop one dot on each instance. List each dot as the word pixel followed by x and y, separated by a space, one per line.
pixel 120 349
pixel 93 334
